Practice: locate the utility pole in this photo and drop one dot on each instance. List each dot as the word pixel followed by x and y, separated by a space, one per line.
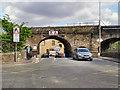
pixel 99 50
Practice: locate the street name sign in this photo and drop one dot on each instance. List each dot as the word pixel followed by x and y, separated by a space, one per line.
pixel 16 33
pixel 53 33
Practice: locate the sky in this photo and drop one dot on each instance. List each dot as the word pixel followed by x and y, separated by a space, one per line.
pixel 50 13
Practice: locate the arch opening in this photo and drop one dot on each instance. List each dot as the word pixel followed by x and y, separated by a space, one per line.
pixel 82 47
pixel 67 46
pixel 106 43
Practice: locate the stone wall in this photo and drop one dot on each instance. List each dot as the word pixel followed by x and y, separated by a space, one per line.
pixel 9 57
pixel 76 36
pixel 65 29
pixel 111 54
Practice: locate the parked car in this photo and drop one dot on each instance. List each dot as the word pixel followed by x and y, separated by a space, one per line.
pixel 45 55
pixel 52 53
pixel 59 55
pixel 82 53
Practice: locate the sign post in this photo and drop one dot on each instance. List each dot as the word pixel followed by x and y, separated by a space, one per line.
pixel 15 52
pixel 16 39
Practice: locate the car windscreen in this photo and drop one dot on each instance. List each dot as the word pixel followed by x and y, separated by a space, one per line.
pixel 83 50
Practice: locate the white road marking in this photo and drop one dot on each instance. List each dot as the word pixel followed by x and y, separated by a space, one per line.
pixel 54 59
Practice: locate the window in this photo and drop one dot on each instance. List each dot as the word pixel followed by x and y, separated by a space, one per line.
pixel 60 45
pixel 53 42
pixel 35 47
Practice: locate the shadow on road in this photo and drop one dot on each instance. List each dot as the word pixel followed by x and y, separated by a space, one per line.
pixel 79 60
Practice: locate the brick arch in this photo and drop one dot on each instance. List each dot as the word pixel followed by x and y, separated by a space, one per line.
pixel 68 49
pixel 105 43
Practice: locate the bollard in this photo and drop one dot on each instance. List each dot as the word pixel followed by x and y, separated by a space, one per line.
pixel 64 55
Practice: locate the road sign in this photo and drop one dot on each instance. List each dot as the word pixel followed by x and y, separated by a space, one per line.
pixel 53 33
pixel 16 33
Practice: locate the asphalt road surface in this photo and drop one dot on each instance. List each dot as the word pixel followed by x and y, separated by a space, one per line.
pixel 61 73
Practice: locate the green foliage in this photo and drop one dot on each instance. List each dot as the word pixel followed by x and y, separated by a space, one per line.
pixel 7 38
pixel 115 46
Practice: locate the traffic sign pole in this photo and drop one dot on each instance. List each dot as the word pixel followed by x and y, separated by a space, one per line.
pixel 16 33
pixel 15 52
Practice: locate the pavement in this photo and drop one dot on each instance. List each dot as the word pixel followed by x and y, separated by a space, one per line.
pixel 22 62
pixel 110 59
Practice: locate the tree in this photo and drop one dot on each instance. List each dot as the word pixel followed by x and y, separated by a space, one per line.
pixel 7 37
pixel 114 46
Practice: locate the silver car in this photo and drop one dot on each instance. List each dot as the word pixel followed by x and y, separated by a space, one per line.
pixel 82 53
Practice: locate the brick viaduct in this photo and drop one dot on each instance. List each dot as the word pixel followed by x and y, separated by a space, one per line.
pixel 76 36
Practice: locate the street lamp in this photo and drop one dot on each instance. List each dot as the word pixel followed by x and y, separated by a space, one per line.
pixel 99 50
pixel 99 40
pixel 99 46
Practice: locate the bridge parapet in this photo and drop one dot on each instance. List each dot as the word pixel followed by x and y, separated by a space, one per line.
pixel 67 29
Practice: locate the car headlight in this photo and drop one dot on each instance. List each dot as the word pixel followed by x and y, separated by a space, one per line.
pixel 90 55
pixel 79 54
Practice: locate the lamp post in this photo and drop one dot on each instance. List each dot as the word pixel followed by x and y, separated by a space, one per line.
pixel 99 50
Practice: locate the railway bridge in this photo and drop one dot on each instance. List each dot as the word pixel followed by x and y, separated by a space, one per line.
pixel 76 36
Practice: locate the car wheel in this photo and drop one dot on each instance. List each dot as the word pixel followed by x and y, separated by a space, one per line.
pixel 91 59
pixel 76 57
pixel 73 56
